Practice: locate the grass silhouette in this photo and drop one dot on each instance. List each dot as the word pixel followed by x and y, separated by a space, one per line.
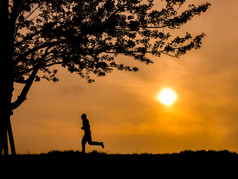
pixel 186 164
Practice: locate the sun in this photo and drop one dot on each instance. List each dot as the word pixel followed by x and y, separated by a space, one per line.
pixel 167 96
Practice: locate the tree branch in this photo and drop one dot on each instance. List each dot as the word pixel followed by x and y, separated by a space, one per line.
pixel 47 44
pixel 33 11
pixel 22 97
pixel 29 37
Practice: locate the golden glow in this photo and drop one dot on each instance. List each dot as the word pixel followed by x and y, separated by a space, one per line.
pixel 123 108
pixel 167 96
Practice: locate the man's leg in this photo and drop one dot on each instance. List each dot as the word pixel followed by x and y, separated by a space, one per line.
pixel 94 143
pixel 83 143
pixel 90 142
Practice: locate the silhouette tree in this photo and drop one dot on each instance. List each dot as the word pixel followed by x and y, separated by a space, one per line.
pixel 85 37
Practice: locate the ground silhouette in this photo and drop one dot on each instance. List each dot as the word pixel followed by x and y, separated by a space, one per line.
pixel 186 164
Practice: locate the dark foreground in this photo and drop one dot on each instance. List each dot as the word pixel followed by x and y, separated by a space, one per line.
pixel 70 164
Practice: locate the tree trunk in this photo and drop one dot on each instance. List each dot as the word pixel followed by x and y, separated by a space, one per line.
pixel 5 134
pixel 5 123
pixel 7 87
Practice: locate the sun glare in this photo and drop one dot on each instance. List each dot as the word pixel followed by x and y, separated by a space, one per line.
pixel 167 96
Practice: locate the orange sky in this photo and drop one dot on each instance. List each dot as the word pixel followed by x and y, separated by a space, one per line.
pixel 122 107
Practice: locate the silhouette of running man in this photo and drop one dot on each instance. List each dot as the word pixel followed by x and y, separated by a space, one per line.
pixel 87 134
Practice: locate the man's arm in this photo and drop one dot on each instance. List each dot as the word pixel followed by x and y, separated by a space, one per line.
pixel 85 125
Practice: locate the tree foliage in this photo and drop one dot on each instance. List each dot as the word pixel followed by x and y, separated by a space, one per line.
pixel 86 36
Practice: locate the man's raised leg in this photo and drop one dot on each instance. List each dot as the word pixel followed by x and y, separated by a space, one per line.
pixel 96 143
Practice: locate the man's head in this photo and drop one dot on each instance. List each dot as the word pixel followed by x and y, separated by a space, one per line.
pixel 83 116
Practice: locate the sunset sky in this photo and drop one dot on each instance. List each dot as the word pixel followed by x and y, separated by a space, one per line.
pixel 123 108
